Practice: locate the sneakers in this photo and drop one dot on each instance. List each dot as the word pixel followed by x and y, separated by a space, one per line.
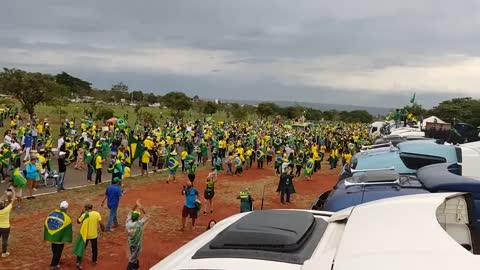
pixel 79 267
pixel 4 255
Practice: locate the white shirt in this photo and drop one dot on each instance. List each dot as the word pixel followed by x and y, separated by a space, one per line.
pixel 16 146
pixel 60 142
pixel 7 139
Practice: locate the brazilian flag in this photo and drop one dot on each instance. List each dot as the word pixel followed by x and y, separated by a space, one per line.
pixel 260 154
pixel 173 163
pixel 309 166
pixel 121 124
pixel 81 242
pixel 18 179
pixel 58 228
pixel 135 148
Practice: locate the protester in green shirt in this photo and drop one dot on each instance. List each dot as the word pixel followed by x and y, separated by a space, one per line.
pixel 135 226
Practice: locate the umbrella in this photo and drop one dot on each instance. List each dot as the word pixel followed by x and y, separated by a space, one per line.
pixel 112 120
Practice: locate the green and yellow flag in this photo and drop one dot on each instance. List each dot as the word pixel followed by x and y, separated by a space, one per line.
pixel 58 228
pixel 135 148
pixel 80 243
pixel 18 179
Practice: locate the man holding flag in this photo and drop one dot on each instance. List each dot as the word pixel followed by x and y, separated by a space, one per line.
pixel 58 231
pixel 89 220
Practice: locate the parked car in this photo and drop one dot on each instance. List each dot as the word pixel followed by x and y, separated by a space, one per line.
pixel 429 231
pixel 375 185
pixel 396 139
pixel 405 158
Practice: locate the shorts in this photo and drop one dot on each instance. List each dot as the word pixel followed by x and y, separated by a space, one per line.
pixel 208 194
pixel 144 166
pixel 269 159
pixel 172 172
pixel 186 212
pixel 191 177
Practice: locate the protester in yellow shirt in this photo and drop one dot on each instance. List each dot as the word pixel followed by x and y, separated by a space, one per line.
pixel 183 156
pixel 145 160
pixel 93 221
pixel 98 168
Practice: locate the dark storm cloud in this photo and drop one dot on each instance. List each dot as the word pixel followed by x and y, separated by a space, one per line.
pixel 269 47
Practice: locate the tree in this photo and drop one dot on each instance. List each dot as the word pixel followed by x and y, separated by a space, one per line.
pixel 415 109
pixel 238 112
pixel 151 98
pixel 146 117
pixel 292 112
pixel 462 109
pixel 29 88
pixel 73 84
pixel 137 95
pixel 104 114
pixel 178 102
pixel 120 87
pixel 313 114
pixel 210 108
pixel 266 109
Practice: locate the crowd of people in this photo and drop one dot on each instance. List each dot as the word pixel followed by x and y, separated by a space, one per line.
pixel 29 155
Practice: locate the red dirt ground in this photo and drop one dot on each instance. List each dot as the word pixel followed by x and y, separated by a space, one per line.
pixel 163 203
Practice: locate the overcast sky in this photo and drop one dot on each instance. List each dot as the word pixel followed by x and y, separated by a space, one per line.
pixel 375 52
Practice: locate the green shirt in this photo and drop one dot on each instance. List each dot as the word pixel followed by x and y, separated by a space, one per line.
pixel 135 231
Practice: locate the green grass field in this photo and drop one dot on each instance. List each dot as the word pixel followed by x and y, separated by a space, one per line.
pixel 56 115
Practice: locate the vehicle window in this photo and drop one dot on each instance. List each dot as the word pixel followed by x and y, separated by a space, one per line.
pixel 416 161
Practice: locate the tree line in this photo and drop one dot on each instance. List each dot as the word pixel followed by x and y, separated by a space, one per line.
pixel 33 88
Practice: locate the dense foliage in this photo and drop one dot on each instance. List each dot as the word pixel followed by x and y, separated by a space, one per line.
pixel 31 89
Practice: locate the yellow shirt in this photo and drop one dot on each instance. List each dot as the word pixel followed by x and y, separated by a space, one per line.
pixel 348 157
pixel 146 157
pixel 149 144
pixel 5 217
pixel 222 144
pixel 41 159
pixel 184 155
pixel 93 219
pixel 40 128
pixel 98 162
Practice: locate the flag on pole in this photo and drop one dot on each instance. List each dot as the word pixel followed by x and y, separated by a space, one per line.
pixel 135 148
pixel 412 100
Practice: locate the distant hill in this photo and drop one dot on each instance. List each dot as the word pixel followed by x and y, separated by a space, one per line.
pixel 324 107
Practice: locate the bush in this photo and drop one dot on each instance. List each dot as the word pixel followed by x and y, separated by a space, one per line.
pixel 104 114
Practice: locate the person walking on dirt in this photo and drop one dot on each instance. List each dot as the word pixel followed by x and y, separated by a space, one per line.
pixel 58 231
pixel 32 174
pixel 135 226
pixel 192 168
pixel 246 201
pixel 6 206
pixel 172 166
pixel 285 185
pixel 209 193
pixel 189 208
pixel 90 221
pixel 112 195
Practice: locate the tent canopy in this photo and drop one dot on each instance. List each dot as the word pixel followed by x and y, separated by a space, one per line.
pixel 432 119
